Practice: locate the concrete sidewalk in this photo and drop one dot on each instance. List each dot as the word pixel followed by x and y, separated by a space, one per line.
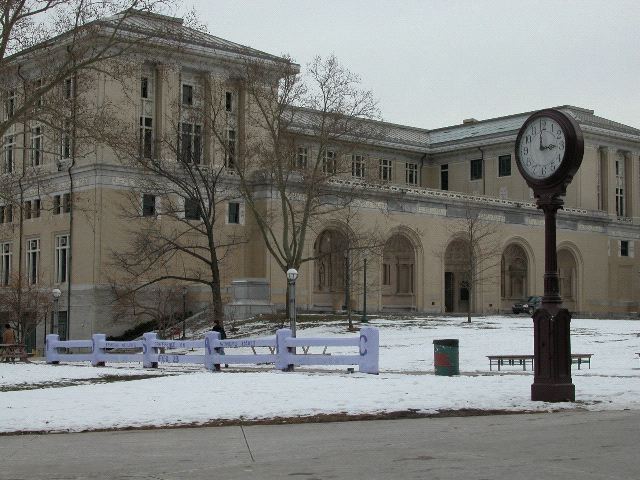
pixel 568 445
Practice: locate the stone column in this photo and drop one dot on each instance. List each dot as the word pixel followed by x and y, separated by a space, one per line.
pixel 632 165
pixel 610 171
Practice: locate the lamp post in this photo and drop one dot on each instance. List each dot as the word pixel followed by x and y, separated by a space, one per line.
pixel 56 309
pixel 347 288
pixel 184 311
pixel 364 297
pixel 292 276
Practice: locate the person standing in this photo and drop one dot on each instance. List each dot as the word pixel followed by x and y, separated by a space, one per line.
pixel 8 338
pixel 217 327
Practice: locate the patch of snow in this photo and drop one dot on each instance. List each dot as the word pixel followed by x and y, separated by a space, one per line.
pixel 406 380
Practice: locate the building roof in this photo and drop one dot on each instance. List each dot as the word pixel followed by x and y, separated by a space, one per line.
pixel 163 27
pixel 511 124
pixel 474 133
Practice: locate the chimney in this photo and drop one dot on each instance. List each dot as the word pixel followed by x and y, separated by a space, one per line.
pixel 469 121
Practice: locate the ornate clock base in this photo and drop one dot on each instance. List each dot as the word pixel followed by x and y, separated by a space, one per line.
pixel 552 355
pixel 553 392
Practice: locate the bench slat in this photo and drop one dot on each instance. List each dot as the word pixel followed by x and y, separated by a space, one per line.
pixel 499 360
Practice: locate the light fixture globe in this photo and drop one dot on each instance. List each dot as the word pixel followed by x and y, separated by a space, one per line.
pixel 292 274
pixel 56 292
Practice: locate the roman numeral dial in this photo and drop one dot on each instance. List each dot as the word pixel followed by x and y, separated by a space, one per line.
pixel 541 147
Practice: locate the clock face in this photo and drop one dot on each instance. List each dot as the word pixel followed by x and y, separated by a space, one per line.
pixel 542 147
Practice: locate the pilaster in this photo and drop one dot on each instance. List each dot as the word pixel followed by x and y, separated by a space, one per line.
pixel 633 180
pixel 610 172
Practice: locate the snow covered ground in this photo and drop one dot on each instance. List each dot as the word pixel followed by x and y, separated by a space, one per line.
pixel 40 397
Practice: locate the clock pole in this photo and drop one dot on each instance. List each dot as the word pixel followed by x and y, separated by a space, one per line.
pixel 551 323
pixel 548 165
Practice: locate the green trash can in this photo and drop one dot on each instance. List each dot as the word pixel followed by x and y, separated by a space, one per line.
pixel 445 357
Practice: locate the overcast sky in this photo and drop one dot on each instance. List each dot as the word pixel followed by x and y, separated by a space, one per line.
pixel 433 63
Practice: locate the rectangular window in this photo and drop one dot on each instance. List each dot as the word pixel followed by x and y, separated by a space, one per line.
pixel 9 146
pixel 190 143
pixel 192 209
pixel 148 205
pixel 26 210
pixel 234 213
pixel 37 146
pixel 146 137
pixel 504 166
pixel 187 94
pixel 68 88
pixel 144 87
pixel 37 85
pixel 357 166
pixel 329 162
pixel 228 101
pixel 386 170
pixel 66 203
pixel 624 248
pixel 302 157
pixel 35 208
pixel 33 260
pixel 56 205
pixel 476 169
pixel 66 145
pixel 6 214
pixel 5 263
pixel 411 174
pixel 444 176
pixel 386 274
pixel 10 104
pixel 61 269
pixel 230 157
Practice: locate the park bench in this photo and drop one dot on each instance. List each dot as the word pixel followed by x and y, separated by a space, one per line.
pixel 511 360
pixel 11 351
pixel 522 360
pixel 580 358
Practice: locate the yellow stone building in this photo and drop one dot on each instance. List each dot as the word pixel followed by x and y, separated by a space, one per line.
pixel 422 182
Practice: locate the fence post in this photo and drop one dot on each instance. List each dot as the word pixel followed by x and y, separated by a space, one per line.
pixel 210 339
pixel 369 350
pixel 149 358
pixel 282 352
pixel 98 354
pixel 50 348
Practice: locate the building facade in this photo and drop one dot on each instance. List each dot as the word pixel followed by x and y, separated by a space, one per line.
pixel 67 223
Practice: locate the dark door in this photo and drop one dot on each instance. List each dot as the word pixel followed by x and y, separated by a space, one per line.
pixel 448 292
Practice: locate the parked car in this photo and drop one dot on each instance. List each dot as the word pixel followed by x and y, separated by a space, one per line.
pixel 527 306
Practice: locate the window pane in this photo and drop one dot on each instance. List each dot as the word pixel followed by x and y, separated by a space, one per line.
pixel 148 205
pixel 234 212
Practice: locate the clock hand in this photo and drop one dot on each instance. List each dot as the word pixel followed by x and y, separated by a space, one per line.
pixel 551 147
pixel 541 147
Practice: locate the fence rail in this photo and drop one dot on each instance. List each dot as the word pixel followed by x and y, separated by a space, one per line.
pixel 282 350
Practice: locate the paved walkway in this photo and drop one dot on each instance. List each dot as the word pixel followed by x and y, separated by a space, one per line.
pixel 574 445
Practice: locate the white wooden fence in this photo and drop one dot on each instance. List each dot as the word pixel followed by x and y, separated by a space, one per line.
pixel 283 350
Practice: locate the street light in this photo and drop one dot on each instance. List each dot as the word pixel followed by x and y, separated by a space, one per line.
pixel 184 311
pixel 292 276
pixel 364 297
pixel 347 287
pixel 56 292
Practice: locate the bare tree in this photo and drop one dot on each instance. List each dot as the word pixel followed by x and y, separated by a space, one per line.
pixel 25 305
pixel 45 43
pixel 311 182
pixel 476 243
pixel 178 205
pixel 160 303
